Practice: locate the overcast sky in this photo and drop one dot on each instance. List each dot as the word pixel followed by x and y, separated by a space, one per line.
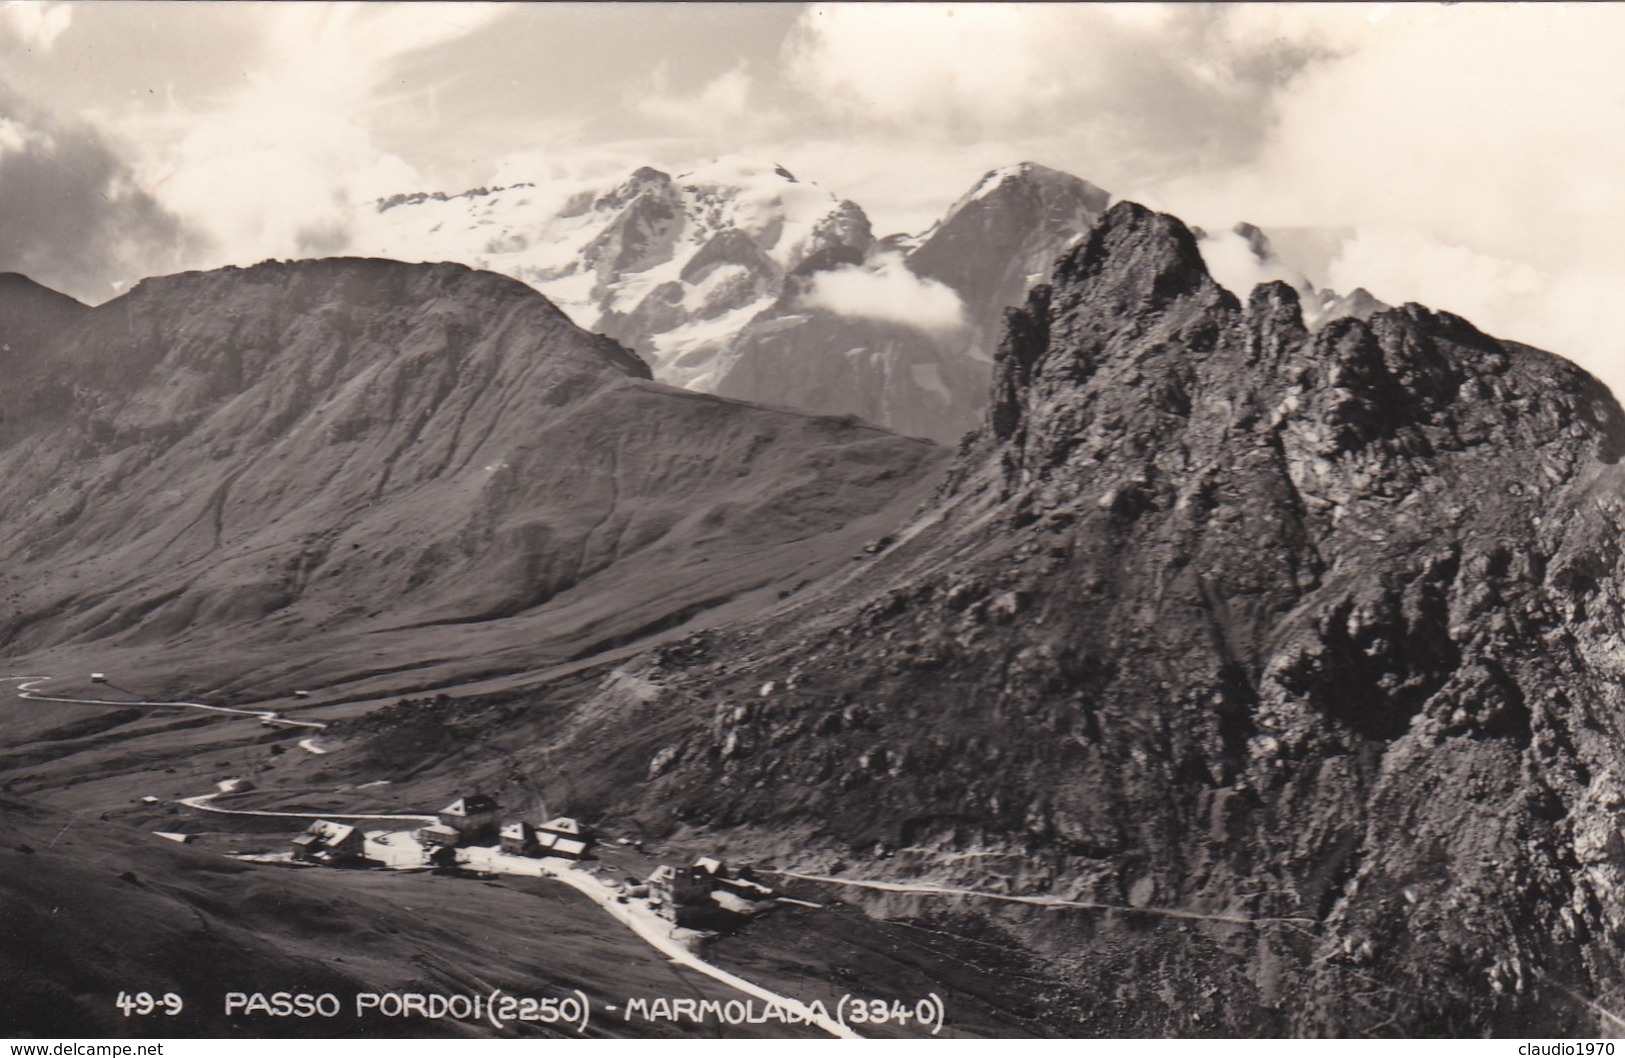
pixel 1467 156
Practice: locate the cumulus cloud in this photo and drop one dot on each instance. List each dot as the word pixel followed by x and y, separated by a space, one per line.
pixel 719 103
pixel 71 213
pixel 921 99
pixel 1134 86
pixel 33 24
pixel 268 170
pixel 1466 149
pixel 1463 152
pixel 1233 261
pixel 886 290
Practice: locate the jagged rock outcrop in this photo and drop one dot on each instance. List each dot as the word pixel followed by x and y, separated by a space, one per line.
pixel 646 219
pixel 1310 638
pixel 1261 263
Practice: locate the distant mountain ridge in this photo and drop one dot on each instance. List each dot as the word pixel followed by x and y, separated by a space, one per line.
pixel 714 275
pixel 426 457
pixel 668 265
pixel 737 278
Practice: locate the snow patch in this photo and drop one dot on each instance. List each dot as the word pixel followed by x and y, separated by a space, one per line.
pixel 540 233
pixel 997 178
pixel 760 199
pixel 695 355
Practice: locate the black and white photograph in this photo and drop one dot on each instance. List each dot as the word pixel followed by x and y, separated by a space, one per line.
pixel 755 521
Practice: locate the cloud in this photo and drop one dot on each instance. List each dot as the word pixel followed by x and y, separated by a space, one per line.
pixel 71 214
pixel 1236 266
pixel 1461 154
pixel 911 103
pixel 1467 150
pixel 269 169
pixel 720 103
pixel 1135 87
pixel 32 24
pixel 1567 309
pixel 886 290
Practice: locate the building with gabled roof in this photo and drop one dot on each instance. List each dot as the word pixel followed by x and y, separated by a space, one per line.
pixel 471 816
pixel 325 841
pixel 680 894
pixel 438 835
pixel 564 836
pixel 519 839
pixel 550 844
pixel 564 827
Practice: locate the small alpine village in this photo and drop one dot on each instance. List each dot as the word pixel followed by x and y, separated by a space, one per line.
pixel 673 908
pixel 470 837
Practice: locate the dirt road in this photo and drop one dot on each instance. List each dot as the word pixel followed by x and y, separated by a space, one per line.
pixel 26 685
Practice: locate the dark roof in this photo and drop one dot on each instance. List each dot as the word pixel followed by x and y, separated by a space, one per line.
pixel 468 806
pixel 563 826
pixel 331 833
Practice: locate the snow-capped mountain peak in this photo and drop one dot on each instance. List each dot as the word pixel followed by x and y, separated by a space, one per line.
pixel 786 218
pixel 739 278
pixel 664 264
pixel 998 177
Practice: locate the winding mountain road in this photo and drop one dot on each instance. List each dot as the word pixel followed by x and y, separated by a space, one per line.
pixel 202 804
pixel 27 684
pixel 649 927
pixel 1040 901
pixel 654 930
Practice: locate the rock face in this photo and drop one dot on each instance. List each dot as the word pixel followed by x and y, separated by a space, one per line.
pixel 1002 238
pixel 879 357
pixel 30 316
pixel 227 468
pixel 1310 638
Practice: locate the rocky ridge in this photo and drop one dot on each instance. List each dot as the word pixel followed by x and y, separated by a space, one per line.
pixel 740 279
